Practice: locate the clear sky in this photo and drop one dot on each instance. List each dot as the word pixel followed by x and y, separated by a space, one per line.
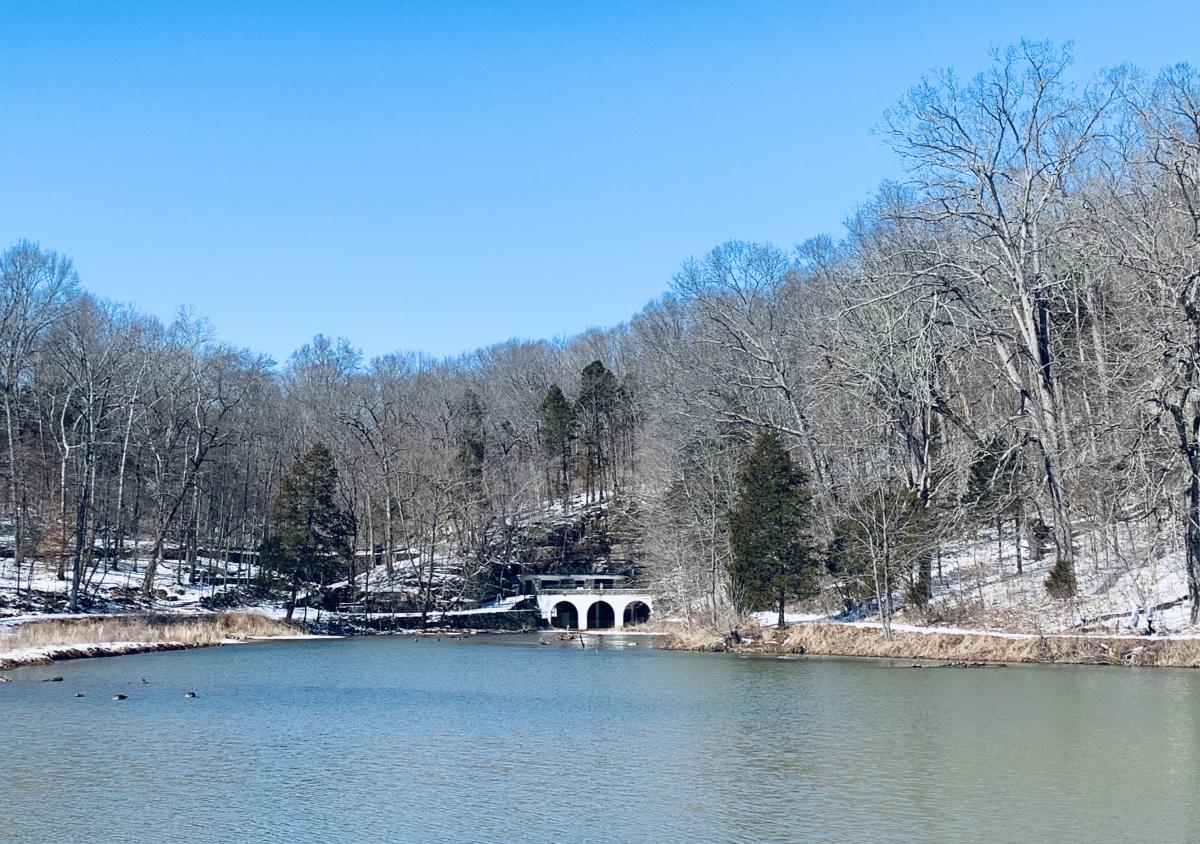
pixel 440 176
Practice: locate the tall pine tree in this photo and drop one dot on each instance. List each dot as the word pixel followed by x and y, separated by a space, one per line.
pixel 770 530
pixel 598 396
pixel 312 534
pixel 557 433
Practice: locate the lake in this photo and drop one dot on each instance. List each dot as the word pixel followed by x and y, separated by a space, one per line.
pixel 495 738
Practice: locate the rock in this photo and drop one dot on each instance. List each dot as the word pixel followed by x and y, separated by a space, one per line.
pixel 5 679
pixel 120 697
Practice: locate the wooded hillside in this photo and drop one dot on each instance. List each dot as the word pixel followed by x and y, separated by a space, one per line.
pixel 1006 345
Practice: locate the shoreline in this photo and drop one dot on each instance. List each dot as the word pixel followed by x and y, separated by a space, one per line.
pixel 864 640
pixel 25 658
pixel 32 657
pixel 44 640
pixel 812 638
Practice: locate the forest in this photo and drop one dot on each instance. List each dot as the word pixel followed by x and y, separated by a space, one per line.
pixel 1002 348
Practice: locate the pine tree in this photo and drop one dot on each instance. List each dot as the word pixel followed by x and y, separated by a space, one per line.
pixel 770 530
pixel 992 491
pixel 312 534
pixel 595 408
pixel 472 444
pixel 558 430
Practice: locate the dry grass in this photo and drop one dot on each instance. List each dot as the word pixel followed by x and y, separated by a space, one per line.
pixel 682 638
pixel 845 640
pixel 711 634
pixel 195 631
pixel 713 637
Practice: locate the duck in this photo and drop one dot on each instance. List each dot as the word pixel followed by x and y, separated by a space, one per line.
pixel 120 697
pixel 189 695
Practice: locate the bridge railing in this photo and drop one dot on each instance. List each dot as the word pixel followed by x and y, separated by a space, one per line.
pixel 565 591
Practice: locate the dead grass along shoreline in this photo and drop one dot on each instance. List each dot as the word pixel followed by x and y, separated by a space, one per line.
pixel 844 640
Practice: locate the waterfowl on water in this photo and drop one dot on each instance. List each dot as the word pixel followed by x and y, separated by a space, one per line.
pixel 80 694
pixel 120 697
pixel 189 694
pixel 52 680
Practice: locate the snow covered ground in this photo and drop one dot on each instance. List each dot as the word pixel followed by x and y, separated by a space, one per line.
pixel 109 589
pixel 979 586
pixel 978 590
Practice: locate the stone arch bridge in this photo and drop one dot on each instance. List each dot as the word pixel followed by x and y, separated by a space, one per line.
pixel 595 609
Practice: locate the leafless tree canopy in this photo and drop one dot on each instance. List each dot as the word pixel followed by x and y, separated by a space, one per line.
pixel 1007 341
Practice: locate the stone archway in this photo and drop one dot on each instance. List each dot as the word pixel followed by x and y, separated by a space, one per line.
pixel 600 616
pixel 565 615
pixel 636 612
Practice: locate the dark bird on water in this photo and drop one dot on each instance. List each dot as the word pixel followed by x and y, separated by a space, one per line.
pixel 120 697
pixel 52 680
pixel 189 694
pixel 79 694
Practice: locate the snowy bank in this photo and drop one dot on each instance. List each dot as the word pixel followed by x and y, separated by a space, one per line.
pixel 23 657
pixel 866 639
pixel 45 640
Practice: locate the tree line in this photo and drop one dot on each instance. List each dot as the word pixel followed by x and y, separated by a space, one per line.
pixel 1006 343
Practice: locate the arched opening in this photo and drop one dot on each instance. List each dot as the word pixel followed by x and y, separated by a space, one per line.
pixel 637 613
pixel 565 616
pixel 600 615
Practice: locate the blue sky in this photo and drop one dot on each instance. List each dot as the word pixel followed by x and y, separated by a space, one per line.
pixel 441 176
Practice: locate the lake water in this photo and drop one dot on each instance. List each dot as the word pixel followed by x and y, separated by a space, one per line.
pixel 499 739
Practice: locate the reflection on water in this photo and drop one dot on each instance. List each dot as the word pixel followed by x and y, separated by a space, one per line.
pixel 499 739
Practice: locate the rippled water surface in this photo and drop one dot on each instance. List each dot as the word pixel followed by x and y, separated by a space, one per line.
pixel 499 739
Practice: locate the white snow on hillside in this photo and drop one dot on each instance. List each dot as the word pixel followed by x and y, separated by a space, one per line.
pixel 172 590
pixel 978 589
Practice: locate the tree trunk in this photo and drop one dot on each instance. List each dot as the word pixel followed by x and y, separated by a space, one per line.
pixel 1017 538
pixel 81 510
pixel 14 497
pixel 1193 531
pixel 291 606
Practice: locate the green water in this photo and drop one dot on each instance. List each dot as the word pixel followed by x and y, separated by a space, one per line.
pixel 500 739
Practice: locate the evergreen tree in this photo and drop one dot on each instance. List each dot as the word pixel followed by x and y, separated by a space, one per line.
pixel 992 491
pixel 472 444
pixel 312 534
pixel 558 430
pixel 882 539
pixel 990 479
pixel 595 408
pixel 770 530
